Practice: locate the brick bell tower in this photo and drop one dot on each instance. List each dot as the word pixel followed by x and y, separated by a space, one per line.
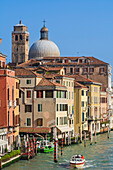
pixel 20 44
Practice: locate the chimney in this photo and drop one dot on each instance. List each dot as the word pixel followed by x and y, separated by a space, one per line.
pixel 0 41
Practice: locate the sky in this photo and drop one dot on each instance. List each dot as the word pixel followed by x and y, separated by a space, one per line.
pixel 78 27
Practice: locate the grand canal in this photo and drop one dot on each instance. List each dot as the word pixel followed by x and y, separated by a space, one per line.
pixel 98 156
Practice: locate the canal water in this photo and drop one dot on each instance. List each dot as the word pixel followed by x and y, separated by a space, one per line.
pixel 98 156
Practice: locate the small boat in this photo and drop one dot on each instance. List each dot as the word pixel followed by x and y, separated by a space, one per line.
pixel 46 146
pixel 77 161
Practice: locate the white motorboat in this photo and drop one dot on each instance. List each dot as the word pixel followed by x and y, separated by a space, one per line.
pixel 77 161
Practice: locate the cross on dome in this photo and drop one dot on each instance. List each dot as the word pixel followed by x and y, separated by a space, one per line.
pixel 44 22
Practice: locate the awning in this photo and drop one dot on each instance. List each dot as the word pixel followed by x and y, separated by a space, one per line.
pixel 3 142
pixel 65 129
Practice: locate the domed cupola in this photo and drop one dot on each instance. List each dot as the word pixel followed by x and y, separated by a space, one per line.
pixel 43 47
pixel 44 33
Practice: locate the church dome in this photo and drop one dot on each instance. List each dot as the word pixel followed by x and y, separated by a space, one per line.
pixel 44 47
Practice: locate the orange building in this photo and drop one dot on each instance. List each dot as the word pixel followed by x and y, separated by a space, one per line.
pixel 8 101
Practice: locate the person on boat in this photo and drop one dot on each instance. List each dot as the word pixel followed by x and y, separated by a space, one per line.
pixel 82 156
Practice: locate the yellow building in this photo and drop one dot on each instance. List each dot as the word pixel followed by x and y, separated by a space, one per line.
pixel 80 108
pixel 93 106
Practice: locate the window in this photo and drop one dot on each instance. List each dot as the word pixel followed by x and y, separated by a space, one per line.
pixel 20 37
pixel 65 120
pixel 40 122
pixel 72 84
pixel 67 94
pixel 63 107
pixel 69 84
pixel 91 70
pixel 61 120
pixel 28 121
pixel 95 89
pixel 57 120
pixel 103 100
pixel 13 93
pixel 28 81
pixel 49 94
pixel 95 100
pixel 82 104
pixel 71 70
pixel 16 37
pixel 40 94
pixel 28 93
pixel 85 70
pixel 8 93
pixel 17 101
pixel 13 118
pixel 82 92
pixel 39 107
pixel 58 81
pixel 86 93
pixel 19 93
pixel 27 38
pixel 102 70
pixel 76 70
pixel 57 107
pixel 83 116
pixel 66 83
pixel 28 108
pixel 17 85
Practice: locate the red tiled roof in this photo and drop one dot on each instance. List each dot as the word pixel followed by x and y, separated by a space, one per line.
pixel 34 130
pixel 78 85
pixel 80 78
pixel 28 63
pixel 26 72
pixel 45 82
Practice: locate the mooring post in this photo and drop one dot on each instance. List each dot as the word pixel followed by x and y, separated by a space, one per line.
pixel 91 137
pixel 58 148
pixel 80 135
pixel 27 150
pixel 35 147
pixel 55 146
pixel 62 145
pixel 84 139
pixel 108 132
pixel 95 133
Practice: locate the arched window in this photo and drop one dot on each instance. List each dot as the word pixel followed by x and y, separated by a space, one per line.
pixel 16 37
pixel 20 37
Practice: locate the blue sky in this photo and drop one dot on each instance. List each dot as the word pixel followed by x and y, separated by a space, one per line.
pixel 78 27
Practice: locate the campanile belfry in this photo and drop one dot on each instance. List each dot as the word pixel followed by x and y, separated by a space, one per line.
pixel 20 44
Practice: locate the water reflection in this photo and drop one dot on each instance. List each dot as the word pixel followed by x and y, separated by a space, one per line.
pixel 98 156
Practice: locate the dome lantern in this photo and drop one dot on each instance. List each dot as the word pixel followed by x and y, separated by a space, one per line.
pixel 44 32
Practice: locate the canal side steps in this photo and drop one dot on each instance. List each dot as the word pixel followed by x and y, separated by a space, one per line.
pixel 9 162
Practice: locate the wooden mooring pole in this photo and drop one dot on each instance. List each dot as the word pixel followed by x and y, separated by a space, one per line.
pixel 84 139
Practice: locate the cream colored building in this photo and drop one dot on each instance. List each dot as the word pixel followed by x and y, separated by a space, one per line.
pixel 28 80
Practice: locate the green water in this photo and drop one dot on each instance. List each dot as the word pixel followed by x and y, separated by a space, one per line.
pixel 98 156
